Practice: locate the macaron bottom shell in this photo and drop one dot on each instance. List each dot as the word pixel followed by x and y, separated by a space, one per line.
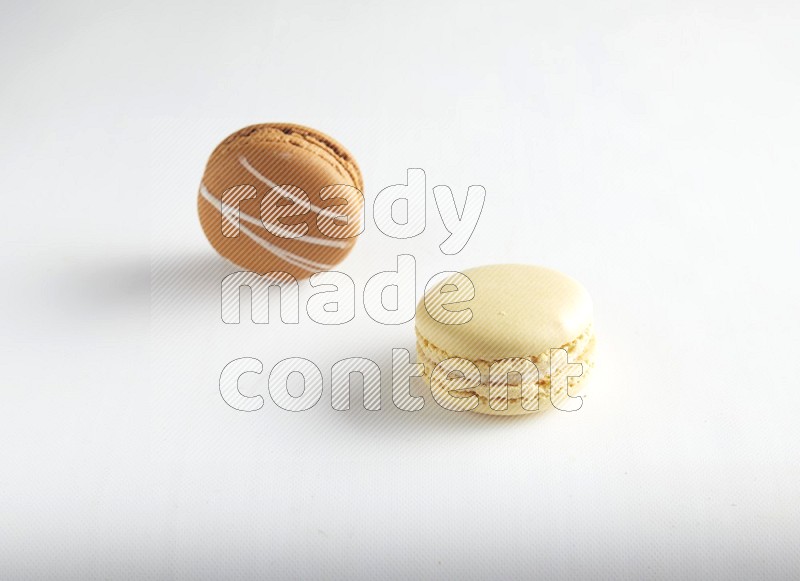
pixel 582 351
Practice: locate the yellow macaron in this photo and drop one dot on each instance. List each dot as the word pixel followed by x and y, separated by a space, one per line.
pixel 494 339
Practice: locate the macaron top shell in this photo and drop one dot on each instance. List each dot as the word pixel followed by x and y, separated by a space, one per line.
pixel 517 311
pixel 275 146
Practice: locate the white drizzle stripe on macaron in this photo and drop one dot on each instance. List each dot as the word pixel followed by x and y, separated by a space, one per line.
pixel 269 226
pixel 290 257
pixel 321 211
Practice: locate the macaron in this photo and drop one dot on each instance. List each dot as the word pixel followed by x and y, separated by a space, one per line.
pixel 479 331
pixel 279 197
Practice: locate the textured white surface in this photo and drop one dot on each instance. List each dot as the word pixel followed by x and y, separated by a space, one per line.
pixel 647 149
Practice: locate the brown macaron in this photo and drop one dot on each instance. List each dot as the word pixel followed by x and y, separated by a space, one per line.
pixel 278 197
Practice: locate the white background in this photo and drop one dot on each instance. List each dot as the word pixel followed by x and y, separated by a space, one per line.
pixel 648 149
